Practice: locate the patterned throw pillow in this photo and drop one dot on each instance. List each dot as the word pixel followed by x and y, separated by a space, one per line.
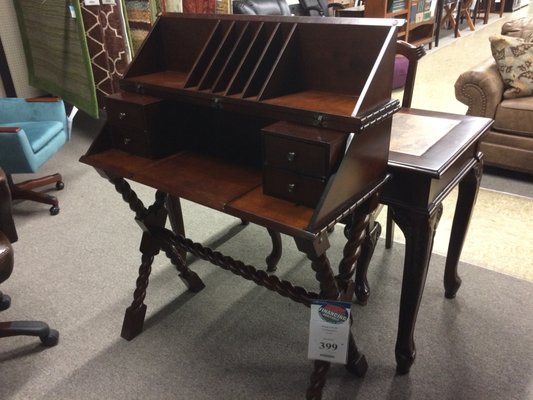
pixel 514 58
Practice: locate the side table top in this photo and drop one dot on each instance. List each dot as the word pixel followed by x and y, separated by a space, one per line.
pixel 437 139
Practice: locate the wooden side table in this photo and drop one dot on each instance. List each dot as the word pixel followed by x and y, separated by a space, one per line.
pixel 431 153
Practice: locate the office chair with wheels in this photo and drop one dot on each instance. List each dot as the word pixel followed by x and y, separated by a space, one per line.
pixel 8 235
pixel 31 132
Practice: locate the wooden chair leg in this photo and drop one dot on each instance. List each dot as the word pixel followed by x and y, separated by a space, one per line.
pixel 470 23
pixel 488 7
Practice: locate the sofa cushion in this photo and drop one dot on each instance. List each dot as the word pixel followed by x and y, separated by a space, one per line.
pixel 514 58
pixel 515 116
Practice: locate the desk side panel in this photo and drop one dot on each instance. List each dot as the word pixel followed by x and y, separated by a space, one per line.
pixel 364 165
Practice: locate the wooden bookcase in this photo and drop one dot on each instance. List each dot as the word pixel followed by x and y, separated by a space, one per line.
pixel 415 30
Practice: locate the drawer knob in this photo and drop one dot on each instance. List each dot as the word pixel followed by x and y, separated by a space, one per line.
pixel 121 115
pixel 291 155
pixel 291 187
pixel 127 140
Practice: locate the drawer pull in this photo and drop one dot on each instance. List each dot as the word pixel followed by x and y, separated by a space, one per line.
pixel 127 140
pixel 291 155
pixel 291 187
pixel 121 115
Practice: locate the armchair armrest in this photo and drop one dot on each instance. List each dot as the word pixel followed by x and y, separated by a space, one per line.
pixel 43 99
pixel 9 129
pixel 13 110
pixel 481 89
pixel 18 145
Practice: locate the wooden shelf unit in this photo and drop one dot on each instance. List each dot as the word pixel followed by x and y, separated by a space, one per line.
pixel 413 32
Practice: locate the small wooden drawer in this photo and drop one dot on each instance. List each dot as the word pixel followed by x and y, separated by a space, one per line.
pixel 134 141
pixel 133 110
pixel 302 149
pixel 298 161
pixel 141 125
pixel 297 188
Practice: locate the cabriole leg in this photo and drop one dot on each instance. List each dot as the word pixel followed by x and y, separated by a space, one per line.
pixel 419 231
pixel 466 198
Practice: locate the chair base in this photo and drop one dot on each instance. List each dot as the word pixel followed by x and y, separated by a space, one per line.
pixel 5 301
pixel 24 190
pixel 49 337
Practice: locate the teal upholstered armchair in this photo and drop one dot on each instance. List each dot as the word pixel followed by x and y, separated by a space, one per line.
pixel 32 131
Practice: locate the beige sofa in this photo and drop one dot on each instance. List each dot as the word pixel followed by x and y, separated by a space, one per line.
pixel 509 143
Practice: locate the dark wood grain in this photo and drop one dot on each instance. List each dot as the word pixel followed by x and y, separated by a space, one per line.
pixel 281 215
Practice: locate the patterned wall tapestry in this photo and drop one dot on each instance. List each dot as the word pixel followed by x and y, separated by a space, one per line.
pixel 140 15
pixel 199 6
pixel 56 51
pixel 108 46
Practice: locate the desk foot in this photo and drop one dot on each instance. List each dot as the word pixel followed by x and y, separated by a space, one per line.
pixel 451 287
pixel 404 360
pixel 133 322
pixel 357 363
pixel 318 380
pixel 174 253
pixel 134 316
pixel 192 281
pixel 405 357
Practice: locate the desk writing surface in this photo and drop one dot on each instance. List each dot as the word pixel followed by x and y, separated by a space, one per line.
pixel 266 210
pixel 437 158
pixel 200 178
pixel 117 162
pixel 211 182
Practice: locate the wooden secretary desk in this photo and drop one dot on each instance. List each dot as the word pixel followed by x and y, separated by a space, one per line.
pixel 279 121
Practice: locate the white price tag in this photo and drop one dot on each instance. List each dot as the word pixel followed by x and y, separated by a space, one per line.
pixel 92 2
pixel 110 2
pixel 329 329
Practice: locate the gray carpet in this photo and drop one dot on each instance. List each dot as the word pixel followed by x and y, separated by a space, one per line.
pixel 233 340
